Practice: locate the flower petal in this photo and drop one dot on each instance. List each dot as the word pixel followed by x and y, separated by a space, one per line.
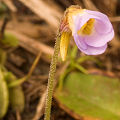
pixel 102 32
pixel 94 50
pixel 102 19
pixel 98 40
pixel 79 20
pixel 101 27
pixel 102 23
pixel 80 41
pixel 98 14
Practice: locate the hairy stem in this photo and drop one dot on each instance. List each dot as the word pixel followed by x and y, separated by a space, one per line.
pixel 51 79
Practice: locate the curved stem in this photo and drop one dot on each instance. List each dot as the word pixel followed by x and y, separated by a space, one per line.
pixel 62 77
pixel 51 79
pixel 22 80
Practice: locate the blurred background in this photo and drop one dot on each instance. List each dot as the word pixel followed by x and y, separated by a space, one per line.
pixel 28 29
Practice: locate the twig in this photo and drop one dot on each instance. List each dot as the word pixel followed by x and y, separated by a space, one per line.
pixel 10 5
pixel 49 14
pixel 16 59
pixel 12 68
pixel 3 27
pixel 115 19
pixel 90 5
pixel 40 107
pixel 43 77
pixel 32 45
pixel 34 65
pixel 18 117
pixel 22 80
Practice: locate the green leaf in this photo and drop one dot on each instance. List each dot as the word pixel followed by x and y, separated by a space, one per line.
pixel 91 96
pixel 4 96
pixel 10 40
pixel 17 98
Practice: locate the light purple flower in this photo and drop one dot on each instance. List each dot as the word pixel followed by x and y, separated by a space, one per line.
pixel 91 31
pixel 98 33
